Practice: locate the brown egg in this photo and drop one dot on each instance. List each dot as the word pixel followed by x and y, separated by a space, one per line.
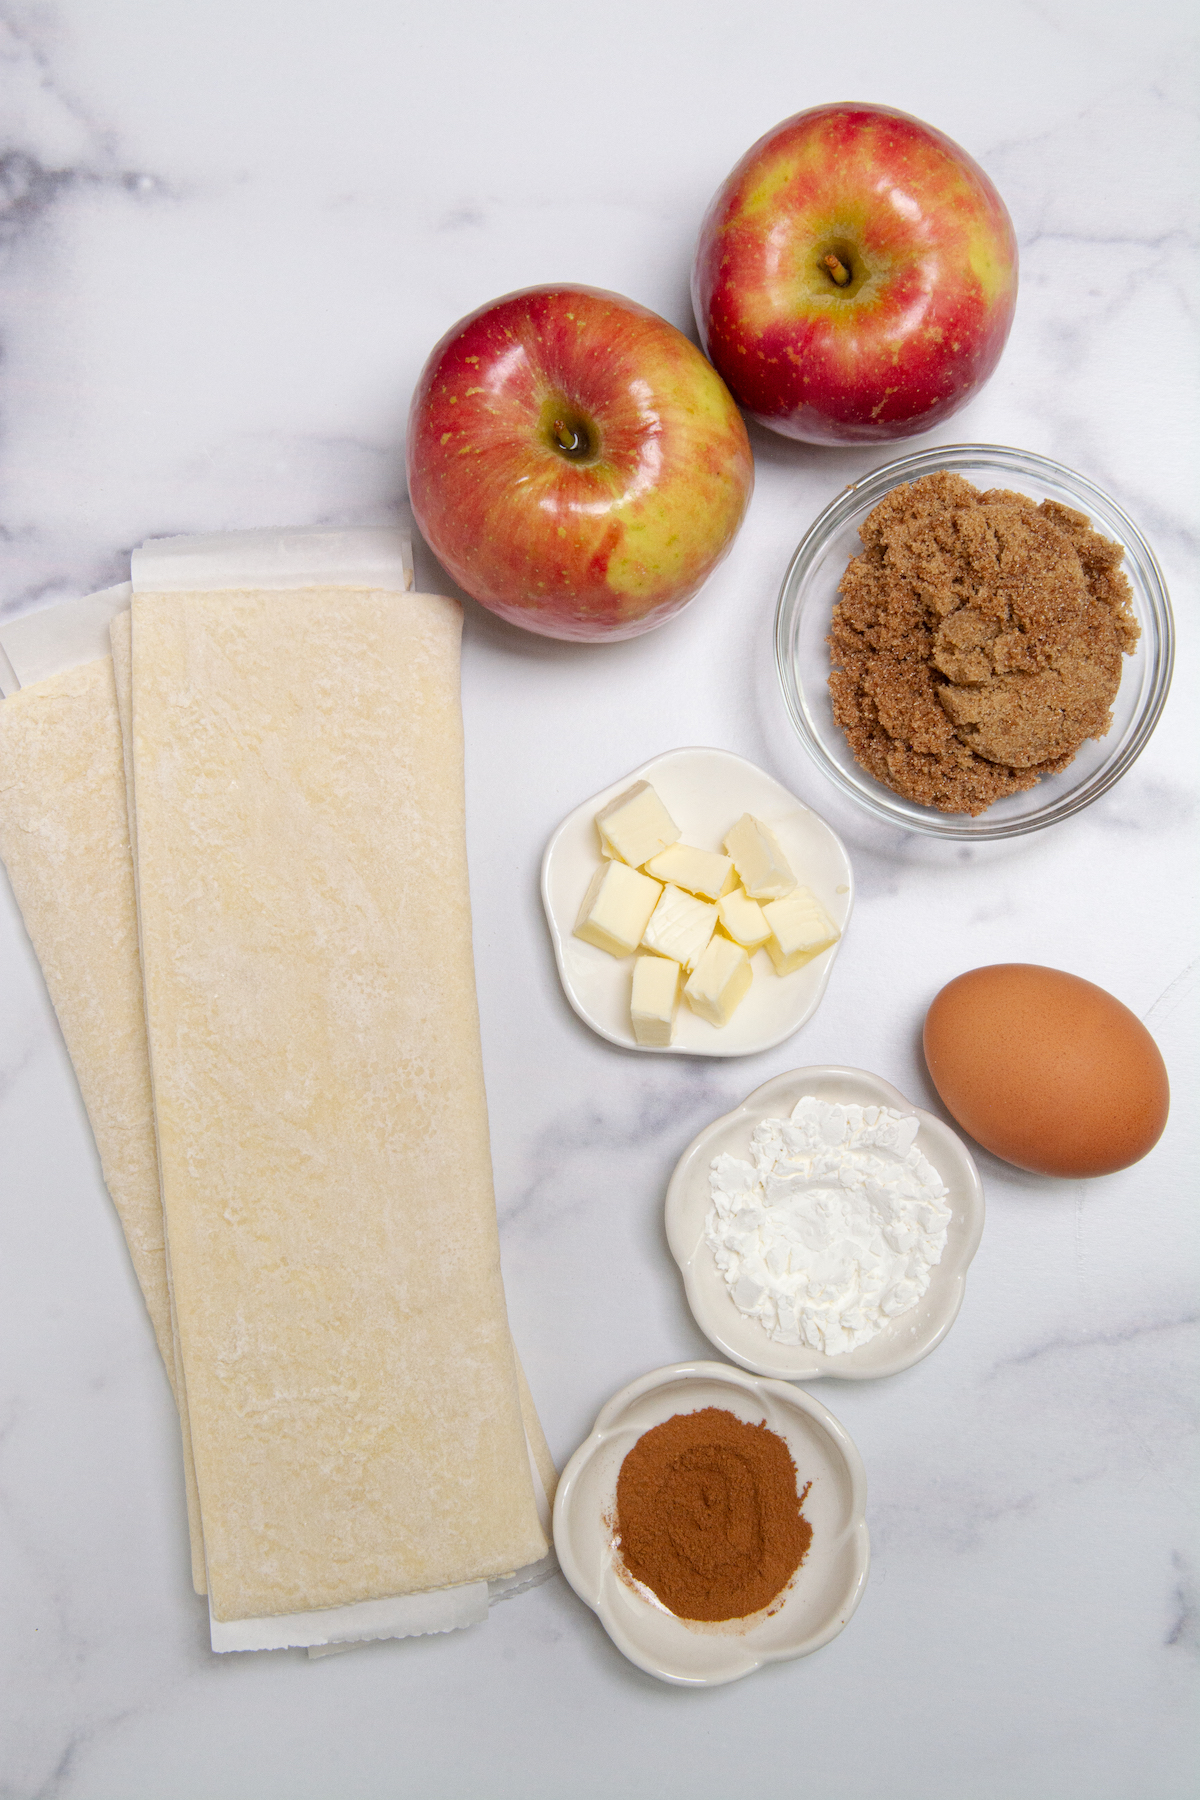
pixel 1046 1070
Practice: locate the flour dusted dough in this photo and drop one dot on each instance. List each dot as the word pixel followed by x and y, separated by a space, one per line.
pixel 306 940
pixel 65 842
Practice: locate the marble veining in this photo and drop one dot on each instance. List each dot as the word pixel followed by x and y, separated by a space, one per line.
pixel 228 239
pixel 1185 1627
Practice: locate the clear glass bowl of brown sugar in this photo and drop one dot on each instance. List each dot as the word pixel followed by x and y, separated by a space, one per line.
pixel 810 593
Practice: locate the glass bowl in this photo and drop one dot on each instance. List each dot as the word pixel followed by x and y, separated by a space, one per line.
pixel 809 594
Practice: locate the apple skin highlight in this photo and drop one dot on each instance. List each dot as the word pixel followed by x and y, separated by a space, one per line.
pixel 575 463
pixel 932 259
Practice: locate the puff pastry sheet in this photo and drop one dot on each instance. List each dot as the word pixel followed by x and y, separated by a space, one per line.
pixel 326 1177
pixel 120 638
pixel 64 839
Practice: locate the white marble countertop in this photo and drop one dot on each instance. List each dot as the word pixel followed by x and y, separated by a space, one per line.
pixel 230 235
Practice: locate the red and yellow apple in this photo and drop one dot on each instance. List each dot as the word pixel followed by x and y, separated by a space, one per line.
pixel 575 463
pixel 856 277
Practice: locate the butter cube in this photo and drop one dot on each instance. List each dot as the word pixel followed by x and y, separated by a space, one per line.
pixel 703 872
pixel 719 981
pixel 760 863
pixel 800 930
pixel 616 908
pixel 680 927
pixel 655 1000
pixel 743 919
pixel 636 825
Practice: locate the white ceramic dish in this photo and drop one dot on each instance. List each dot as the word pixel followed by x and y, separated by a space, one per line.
pixel 705 791
pixel 902 1342
pixel 825 1589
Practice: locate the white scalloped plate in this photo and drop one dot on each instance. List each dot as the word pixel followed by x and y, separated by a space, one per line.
pixel 822 1594
pixel 705 791
pixel 903 1341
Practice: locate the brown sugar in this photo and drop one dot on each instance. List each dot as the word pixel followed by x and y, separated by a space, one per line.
pixel 977 643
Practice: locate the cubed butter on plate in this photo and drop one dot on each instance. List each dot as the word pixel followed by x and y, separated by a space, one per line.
pixel 680 927
pixel 719 981
pixel 616 908
pixel 636 825
pixel 800 930
pixel 703 872
pixel 655 1000
pixel 761 865
pixel 743 919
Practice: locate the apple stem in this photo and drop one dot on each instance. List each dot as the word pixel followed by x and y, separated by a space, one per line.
pixel 566 437
pixel 837 269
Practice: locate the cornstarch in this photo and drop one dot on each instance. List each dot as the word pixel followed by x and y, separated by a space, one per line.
pixel 832 1228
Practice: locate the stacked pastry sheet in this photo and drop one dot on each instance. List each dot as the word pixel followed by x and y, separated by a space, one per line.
pixel 238 845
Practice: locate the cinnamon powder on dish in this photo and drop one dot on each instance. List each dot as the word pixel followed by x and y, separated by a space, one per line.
pixel 708 1516
pixel 977 643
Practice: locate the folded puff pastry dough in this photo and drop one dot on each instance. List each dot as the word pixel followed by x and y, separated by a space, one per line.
pixel 64 839
pixel 121 639
pixel 326 1175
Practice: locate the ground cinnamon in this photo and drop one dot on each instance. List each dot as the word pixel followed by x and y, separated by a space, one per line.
pixel 977 643
pixel 708 1516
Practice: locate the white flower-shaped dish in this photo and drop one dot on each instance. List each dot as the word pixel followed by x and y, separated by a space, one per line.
pixel 904 1340
pixel 822 1594
pixel 705 792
